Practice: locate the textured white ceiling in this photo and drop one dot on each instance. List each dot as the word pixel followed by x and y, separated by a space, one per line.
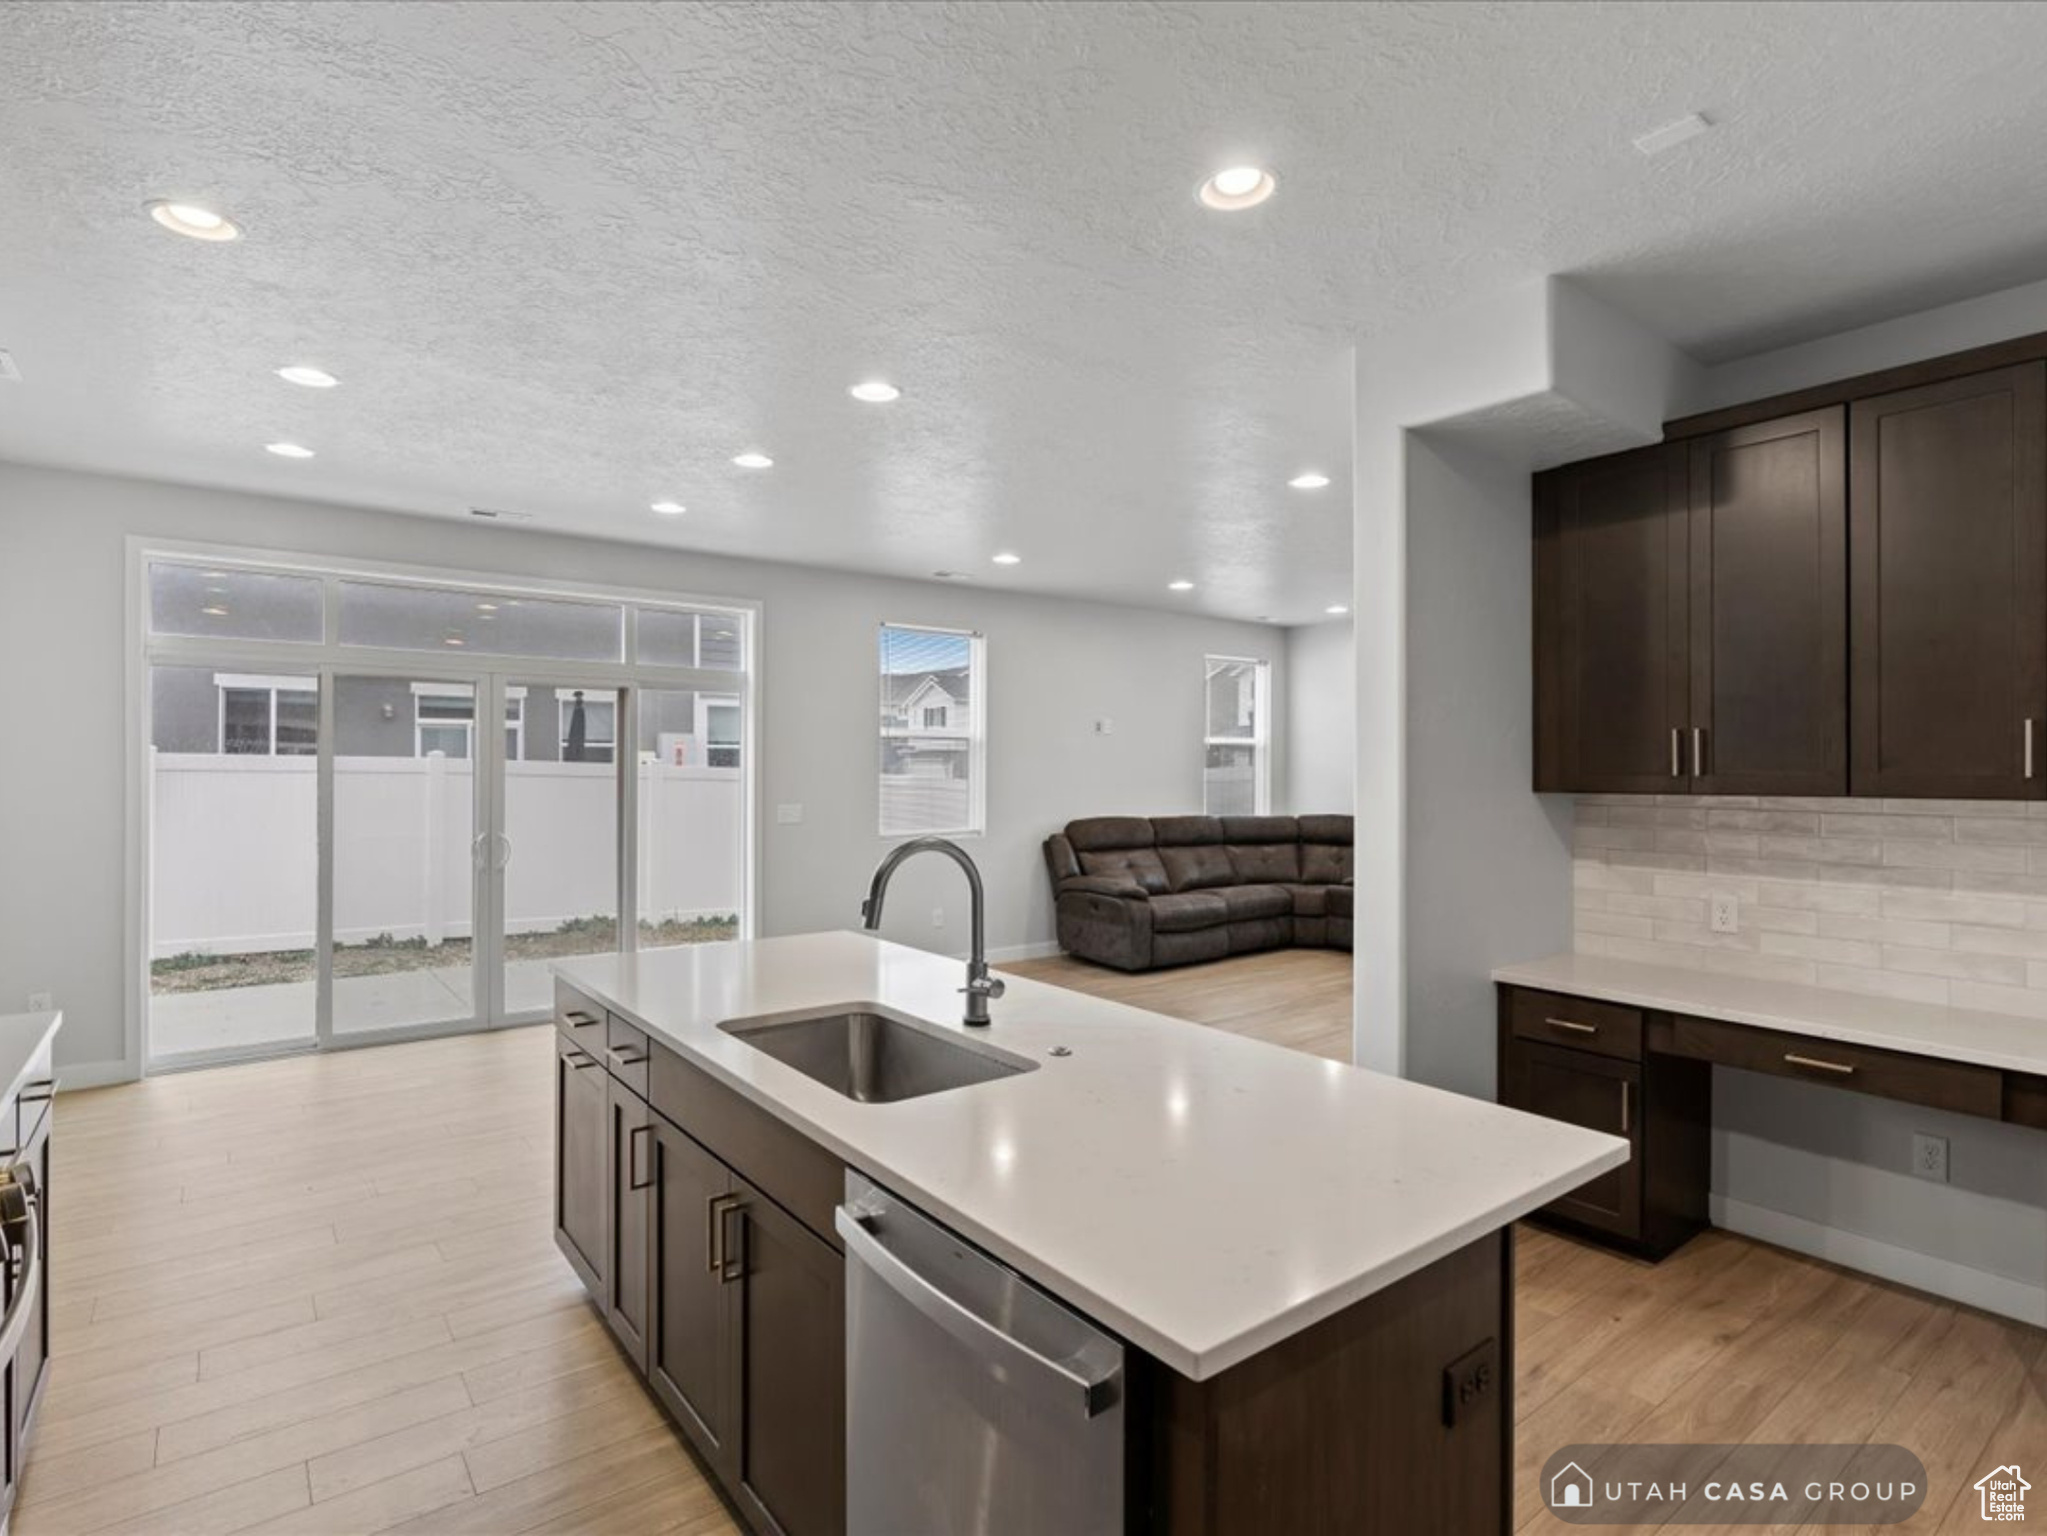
pixel 570 258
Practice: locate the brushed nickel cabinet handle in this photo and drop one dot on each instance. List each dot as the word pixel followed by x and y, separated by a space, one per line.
pixel 1698 753
pixel 1677 762
pixel 714 1238
pixel 1626 1096
pixel 1797 1060
pixel 732 1256
pixel 582 1061
pixel 633 1160
pixel 1573 1024
pixel 622 1055
pixel 579 1019
pixel 2029 749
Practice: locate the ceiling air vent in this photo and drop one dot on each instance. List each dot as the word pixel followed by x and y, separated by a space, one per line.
pixel 10 371
pixel 500 515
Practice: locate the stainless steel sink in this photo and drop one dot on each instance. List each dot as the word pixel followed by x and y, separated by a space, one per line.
pixel 877 1057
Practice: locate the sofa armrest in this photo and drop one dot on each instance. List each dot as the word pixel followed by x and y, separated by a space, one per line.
pixel 1103 885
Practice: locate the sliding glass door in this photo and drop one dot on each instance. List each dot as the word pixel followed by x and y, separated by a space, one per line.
pixel 347 840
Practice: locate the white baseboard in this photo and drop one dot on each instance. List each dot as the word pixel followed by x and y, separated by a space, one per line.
pixel 1040 951
pixel 2019 1299
pixel 94 1074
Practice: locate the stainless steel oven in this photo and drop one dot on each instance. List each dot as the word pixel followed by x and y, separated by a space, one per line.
pixel 976 1405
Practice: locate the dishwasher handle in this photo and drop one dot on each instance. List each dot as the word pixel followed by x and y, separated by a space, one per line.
pixel 19 1207
pixel 1096 1390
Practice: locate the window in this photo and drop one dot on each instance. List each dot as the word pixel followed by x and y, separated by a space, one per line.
pixel 589 726
pixel 932 743
pixel 718 728
pixel 444 720
pixel 1237 774
pixel 267 716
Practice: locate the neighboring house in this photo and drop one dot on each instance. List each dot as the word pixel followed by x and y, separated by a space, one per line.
pixel 926 723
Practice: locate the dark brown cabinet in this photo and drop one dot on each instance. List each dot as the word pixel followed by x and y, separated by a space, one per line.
pixel 581 1171
pixel 1948 596
pixel 792 1371
pixel 693 1338
pixel 1768 575
pixel 629 1185
pixel 1611 682
pixel 1600 1094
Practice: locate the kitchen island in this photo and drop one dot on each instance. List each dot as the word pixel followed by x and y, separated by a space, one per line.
pixel 1308 1262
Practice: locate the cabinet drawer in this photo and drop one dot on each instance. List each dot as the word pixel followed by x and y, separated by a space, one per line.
pixel 1578 1022
pixel 2025 1100
pixel 625 1053
pixel 581 1019
pixel 1951 1085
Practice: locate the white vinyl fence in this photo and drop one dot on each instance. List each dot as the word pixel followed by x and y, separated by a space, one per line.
pixel 234 856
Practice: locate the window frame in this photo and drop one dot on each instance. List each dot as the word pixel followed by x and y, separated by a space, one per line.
pixel 268 684
pixel 974 733
pixel 1260 739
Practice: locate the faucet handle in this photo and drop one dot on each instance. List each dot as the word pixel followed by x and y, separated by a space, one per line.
pixel 984 986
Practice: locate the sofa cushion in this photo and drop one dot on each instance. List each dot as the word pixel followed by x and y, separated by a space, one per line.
pixel 1327 829
pixel 1091 834
pixel 1186 831
pixel 1188 912
pixel 1310 900
pixel 1197 868
pixel 1249 901
pixel 1325 863
pixel 1265 862
pixel 1261 829
pixel 1140 866
pixel 1340 897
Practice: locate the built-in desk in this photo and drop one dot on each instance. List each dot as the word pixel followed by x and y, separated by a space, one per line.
pixel 1629 1049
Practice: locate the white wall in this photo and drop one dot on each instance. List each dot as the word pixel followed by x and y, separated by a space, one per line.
pixel 1054 666
pixel 1320 719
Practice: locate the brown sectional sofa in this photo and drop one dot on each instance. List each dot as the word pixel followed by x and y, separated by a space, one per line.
pixel 1140 892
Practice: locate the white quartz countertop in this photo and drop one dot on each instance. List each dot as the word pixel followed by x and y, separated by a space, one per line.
pixel 1201 1194
pixel 1927 1029
pixel 22 1038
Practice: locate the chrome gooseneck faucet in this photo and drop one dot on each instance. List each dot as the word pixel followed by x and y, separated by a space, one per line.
pixel 980 985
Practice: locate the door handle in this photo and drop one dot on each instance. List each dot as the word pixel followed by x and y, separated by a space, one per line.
pixel 2029 749
pixel 714 1234
pixel 1677 762
pixel 1698 753
pixel 633 1160
pixel 504 849
pixel 1626 1098
pixel 731 1255
pixel 477 857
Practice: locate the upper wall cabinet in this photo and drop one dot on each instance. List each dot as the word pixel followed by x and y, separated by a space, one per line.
pixel 1611 683
pixel 1948 599
pixel 1769 609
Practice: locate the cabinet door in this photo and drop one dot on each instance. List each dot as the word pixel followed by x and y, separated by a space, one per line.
pixel 792 1475
pixel 1611 683
pixel 693 1332
pixel 629 1186
pixel 581 1178
pixel 1600 1094
pixel 1769 609
pixel 1948 587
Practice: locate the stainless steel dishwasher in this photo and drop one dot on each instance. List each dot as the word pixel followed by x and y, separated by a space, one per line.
pixel 976 1405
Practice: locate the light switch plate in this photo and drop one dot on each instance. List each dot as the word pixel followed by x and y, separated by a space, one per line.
pixel 788 815
pixel 1105 726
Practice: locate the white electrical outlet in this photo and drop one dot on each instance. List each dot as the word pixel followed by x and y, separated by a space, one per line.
pixel 938 917
pixel 42 1002
pixel 1929 1157
pixel 1726 915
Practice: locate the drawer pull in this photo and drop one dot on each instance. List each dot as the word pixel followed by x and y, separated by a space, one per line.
pixel 622 1056
pixel 1626 1097
pixel 1841 1067
pixel 579 1020
pixel 1573 1025
pixel 581 1062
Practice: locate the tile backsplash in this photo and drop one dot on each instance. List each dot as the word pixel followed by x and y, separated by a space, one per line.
pixel 1940 900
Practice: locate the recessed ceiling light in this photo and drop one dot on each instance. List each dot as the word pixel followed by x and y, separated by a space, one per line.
pixel 288 450
pixel 214 610
pixel 453 640
pixel 875 392
pixel 753 461
pixel 1179 586
pixel 308 378
pixel 1006 558
pixel 1336 608
pixel 1309 480
pixel 669 508
pixel 1670 135
pixel 192 220
pixel 486 607
pixel 1237 187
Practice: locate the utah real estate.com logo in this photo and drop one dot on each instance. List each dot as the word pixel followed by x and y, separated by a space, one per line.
pixel 2004 1494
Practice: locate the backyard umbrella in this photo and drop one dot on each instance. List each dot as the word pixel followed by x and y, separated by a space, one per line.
pixel 578 732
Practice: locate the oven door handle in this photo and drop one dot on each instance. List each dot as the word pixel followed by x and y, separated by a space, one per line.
pixel 19 1206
